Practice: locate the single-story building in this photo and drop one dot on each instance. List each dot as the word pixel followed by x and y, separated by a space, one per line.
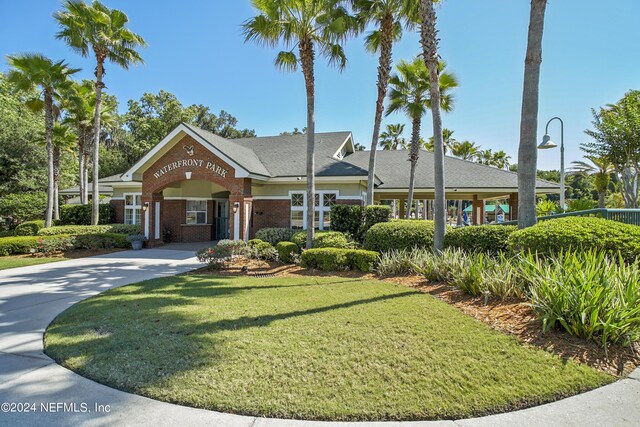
pixel 197 186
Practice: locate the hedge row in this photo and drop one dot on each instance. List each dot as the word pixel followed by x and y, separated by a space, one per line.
pixel 356 220
pixel 482 238
pixel 90 229
pixel 48 244
pixel 29 228
pixel 81 214
pixel 339 259
pixel 400 235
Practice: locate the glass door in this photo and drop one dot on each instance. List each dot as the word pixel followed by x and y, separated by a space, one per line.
pixel 221 229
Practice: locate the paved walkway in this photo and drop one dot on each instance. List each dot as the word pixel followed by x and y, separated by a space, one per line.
pixel 31 297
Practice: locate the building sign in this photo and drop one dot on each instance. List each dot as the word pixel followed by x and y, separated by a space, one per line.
pixel 191 163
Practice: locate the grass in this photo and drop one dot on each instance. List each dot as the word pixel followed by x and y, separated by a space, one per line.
pixel 24 261
pixel 328 348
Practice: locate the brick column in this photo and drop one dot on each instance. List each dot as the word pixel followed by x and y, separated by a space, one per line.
pixel 513 207
pixel 478 211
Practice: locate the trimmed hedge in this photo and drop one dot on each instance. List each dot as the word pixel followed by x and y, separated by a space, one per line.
pixel 579 234
pixel 356 220
pixel 286 250
pixel 403 234
pixel 24 244
pixel 481 238
pixel 329 259
pixel 322 239
pixel 275 235
pixel 29 228
pixel 81 214
pixel 90 229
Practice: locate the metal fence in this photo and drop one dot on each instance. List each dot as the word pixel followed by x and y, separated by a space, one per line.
pixel 627 216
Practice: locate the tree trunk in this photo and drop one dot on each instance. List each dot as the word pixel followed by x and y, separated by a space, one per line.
pixel 81 172
pixel 528 149
pixel 307 61
pixel 459 221
pixel 87 158
pixel 601 201
pixel 429 41
pixel 413 158
pixel 384 69
pixel 95 210
pixel 48 137
pixel 56 181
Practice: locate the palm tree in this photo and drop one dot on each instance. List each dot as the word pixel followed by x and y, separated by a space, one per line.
pixel 32 71
pixel 80 109
pixel 429 42
pixel 388 17
pixel 468 151
pixel 527 151
pixel 409 92
pixel 601 169
pixel 447 141
pixel 392 138
pixel 102 31
pixel 485 157
pixel 307 25
pixel 501 159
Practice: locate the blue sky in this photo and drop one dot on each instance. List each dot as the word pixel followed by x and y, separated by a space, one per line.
pixel 590 58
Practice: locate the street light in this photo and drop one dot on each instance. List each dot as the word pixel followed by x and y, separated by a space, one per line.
pixel 548 143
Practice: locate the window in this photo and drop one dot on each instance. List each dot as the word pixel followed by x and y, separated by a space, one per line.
pixel 133 208
pixel 324 200
pixel 196 212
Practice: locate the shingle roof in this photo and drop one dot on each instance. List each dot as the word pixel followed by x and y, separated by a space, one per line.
pixel 392 168
pixel 286 155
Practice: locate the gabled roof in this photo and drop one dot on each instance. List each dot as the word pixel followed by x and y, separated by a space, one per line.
pixel 392 168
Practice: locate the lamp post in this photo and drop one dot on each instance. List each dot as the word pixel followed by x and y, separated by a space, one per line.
pixel 548 143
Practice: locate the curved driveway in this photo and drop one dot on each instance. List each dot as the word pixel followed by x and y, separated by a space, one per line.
pixel 31 297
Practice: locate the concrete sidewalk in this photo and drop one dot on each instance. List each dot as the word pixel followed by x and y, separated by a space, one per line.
pixel 31 297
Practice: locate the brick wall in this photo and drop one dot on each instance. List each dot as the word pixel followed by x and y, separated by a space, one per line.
pixel 270 213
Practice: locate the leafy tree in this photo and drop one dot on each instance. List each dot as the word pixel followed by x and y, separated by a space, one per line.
pixel 616 137
pixel 309 26
pixel 392 138
pixel 102 31
pixel 410 93
pixel 388 16
pixel 295 131
pixel 23 206
pixel 528 149
pixel 600 169
pixel 30 71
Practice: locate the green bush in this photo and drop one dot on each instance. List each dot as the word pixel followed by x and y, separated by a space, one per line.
pixel 81 214
pixel 101 241
pixel 23 206
pixel 286 251
pixel 29 228
pixel 255 242
pixel 7 233
pixel 589 294
pixel 18 245
pixel 578 234
pixel 90 229
pixel 483 238
pixel 328 259
pixel 275 235
pixel 581 205
pixel 235 247
pixel 356 220
pixel 48 244
pixel 375 214
pixel 399 235
pixel 262 250
pixel 331 239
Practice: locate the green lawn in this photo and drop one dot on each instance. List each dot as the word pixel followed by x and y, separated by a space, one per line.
pixel 327 348
pixel 22 261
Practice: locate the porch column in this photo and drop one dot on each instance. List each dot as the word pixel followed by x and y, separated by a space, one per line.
pixel 154 217
pixel 513 207
pixel 478 211
pixel 402 210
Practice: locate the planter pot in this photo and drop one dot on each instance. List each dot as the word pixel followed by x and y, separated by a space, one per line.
pixel 136 245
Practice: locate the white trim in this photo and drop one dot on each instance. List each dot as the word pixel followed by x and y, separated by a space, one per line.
pixel 240 172
pixel 117 198
pixel 146 223
pixel 247 218
pixel 349 198
pixel 467 190
pixel 236 224
pixel 157 220
pixel 126 184
pixel 199 199
pixel 294 179
pixel 337 155
pixel 133 207
pixel 271 197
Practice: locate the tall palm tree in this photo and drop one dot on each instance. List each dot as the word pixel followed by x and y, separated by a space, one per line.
pixel 447 141
pixel 102 31
pixel 388 16
pixel 601 169
pixel 309 26
pixel 410 93
pixel 485 157
pixel 392 138
pixel 30 71
pixel 429 42
pixel 468 151
pixel 501 159
pixel 527 151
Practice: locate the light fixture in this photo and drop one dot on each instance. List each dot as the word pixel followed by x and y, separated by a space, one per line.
pixel 547 143
pixel 145 206
pixel 188 175
pixel 236 206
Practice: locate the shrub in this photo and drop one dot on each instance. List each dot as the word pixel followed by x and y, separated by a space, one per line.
pixel 81 214
pixel 263 250
pixel 23 206
pixel 545 207
pixel 357 220
pixel 331 239
pixel 29 228
pixel 275 235
pixel 589 294
pixel 483 238
pixel 286 250
pixel 580 234
pixel 255 242
pixel 404 262
pixel 215 257
pixel 235 247
pixel 581 205
pixel 90 229
pixel 48 244
pixel 18 245
pixel 7 233
pixel 328 259
pixel 375 214
pixel 56 244
pixel 399 235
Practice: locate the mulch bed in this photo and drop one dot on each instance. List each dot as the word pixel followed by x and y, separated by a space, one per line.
pixel 511 316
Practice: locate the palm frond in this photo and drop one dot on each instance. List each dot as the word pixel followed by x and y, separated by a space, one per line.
pixel 287 61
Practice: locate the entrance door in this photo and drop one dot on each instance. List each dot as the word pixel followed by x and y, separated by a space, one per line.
pixel 221 229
